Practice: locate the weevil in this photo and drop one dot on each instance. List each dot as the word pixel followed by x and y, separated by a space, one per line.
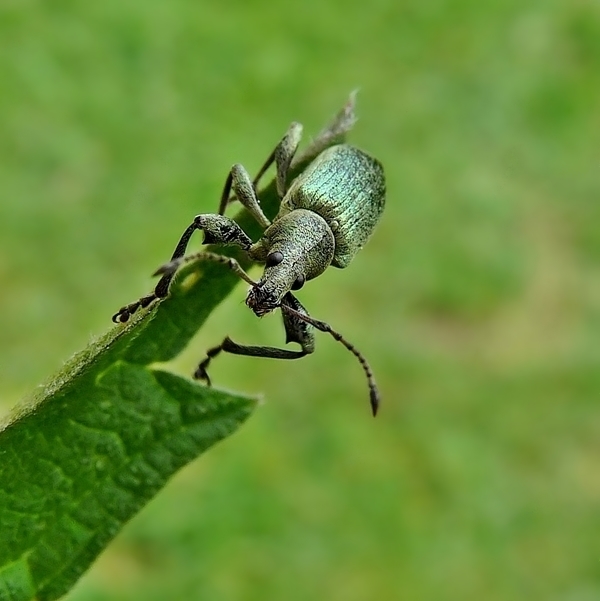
pixel 326 215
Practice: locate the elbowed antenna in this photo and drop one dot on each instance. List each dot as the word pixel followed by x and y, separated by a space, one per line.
pixel 374 396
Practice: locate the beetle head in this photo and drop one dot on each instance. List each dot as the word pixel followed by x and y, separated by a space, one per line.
pixel 296 247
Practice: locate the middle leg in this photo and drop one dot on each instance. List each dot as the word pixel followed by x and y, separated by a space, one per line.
pixel 169 269
pixel 281 155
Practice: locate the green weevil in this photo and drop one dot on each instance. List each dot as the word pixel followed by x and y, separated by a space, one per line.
pixel 325 217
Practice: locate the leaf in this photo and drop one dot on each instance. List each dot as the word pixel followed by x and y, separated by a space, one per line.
pixel 79 463
pixel 94 445
pixel 102 438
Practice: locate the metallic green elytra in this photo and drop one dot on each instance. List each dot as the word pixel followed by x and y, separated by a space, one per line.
pixel 346 187
pixel 326 215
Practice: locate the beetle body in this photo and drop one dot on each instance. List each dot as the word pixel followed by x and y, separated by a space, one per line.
pixel 346 187
pixel 325 217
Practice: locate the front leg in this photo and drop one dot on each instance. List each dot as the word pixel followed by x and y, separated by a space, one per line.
pixel 296 330
pixel 229 346
pixel 217 229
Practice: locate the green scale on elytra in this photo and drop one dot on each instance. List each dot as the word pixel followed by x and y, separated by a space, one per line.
pixel 325 217
pixel 346 187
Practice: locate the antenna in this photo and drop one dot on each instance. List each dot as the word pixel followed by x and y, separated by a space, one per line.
pixel 325 327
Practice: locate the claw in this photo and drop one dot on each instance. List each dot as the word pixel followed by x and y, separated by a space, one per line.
pixel 202 374
pixel 124 316
pixel 124 313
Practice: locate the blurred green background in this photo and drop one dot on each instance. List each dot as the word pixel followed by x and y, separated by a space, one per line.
pixel 477 301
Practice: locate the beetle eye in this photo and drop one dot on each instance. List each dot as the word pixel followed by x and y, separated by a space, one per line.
pixel 274 259
pixel 298 283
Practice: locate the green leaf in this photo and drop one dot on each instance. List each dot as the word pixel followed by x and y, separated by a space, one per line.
pixel 86 453
pixel 94 445
pixel 78 462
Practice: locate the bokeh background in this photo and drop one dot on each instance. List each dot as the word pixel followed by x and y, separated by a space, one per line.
pixel 477 301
